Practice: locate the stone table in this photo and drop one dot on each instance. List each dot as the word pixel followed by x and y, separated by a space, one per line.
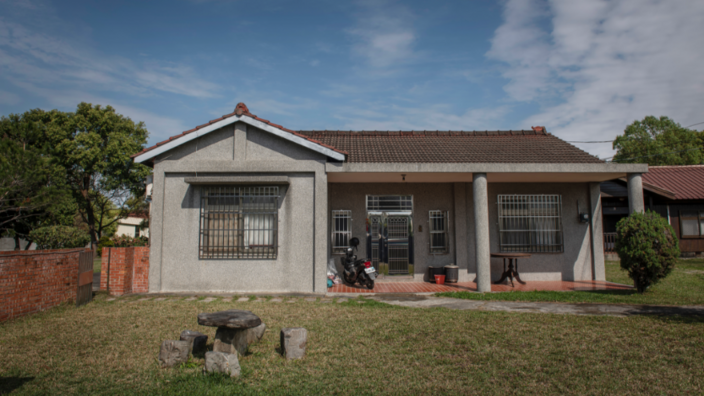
pixel 233 329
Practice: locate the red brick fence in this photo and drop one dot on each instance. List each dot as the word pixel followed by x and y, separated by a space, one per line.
pixel 129 270
pixel 36 280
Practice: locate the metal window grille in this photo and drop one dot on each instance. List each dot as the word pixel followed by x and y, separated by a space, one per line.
pixel 438 232
pixel 390 202
pixel 530 223
pixel 239 222
pixel 341 230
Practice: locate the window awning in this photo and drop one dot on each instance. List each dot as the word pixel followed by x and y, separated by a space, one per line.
pixel 206 180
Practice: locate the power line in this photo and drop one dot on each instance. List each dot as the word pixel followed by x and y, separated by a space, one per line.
pixel 595 141
pixel 611 141
pixel 655 155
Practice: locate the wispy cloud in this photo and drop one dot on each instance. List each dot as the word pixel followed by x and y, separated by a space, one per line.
pixel 36 57
pixel 383 33
pixel 596 66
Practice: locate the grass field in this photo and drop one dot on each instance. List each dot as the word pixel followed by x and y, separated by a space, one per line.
pixel 96 265
pixel 684 286
pixel 371 348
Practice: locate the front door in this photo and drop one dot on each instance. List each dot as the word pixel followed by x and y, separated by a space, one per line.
pixel 397 244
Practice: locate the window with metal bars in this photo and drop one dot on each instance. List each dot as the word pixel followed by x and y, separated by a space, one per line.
pixel 530 223
pixel 239 222
pixel 341 230
pixel 438 232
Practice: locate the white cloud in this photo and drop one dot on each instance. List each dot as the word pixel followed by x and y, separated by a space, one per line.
pixel 435 117
pixel 383 34
pixel 596 66
pixel 34 57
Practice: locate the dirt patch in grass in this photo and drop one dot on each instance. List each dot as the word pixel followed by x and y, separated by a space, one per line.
pixel 371 348
pixel 683 286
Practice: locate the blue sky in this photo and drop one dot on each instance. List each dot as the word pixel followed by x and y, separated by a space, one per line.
pixel 583 69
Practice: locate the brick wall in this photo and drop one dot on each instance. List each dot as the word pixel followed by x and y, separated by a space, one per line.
pixel 36 280
pixel 129 270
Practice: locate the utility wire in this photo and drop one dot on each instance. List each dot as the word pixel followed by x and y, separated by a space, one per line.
pixel 655 155
pixel 611 141
pixel 595 141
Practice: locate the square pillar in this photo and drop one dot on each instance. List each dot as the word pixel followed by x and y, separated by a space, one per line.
pixel 481 231
pixel 635 193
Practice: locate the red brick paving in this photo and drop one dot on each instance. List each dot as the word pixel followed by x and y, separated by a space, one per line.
pixel 425 287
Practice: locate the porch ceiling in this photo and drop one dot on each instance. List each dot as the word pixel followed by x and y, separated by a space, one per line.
pixel 466 177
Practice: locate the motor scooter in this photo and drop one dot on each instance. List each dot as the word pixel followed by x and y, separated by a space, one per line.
pixel 361 271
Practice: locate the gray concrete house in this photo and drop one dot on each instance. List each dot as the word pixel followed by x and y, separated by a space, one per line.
pixel 241 204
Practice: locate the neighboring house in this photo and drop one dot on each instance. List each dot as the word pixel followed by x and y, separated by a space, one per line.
pixel 243 204
pixel 130 226
pixel 674 192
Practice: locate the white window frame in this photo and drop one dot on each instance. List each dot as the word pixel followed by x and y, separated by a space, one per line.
pixel 530 223
pixel 341 235
pixel 445 216
pixel 698 217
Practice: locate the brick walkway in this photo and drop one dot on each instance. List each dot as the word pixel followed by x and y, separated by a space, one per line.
pixel 425 287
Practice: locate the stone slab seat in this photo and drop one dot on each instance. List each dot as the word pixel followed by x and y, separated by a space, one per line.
pixel 234 328
pixel 232 319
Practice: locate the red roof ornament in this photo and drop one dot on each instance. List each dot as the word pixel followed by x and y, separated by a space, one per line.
pixel 241 108
pixel 539 129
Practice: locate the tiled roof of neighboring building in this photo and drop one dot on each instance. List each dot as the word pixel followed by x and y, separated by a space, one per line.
pixel 687 182
pixel 532 146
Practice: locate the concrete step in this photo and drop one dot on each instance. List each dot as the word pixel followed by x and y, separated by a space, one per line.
pixel 394 278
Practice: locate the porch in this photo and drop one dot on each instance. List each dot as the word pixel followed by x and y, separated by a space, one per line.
pixel 426 287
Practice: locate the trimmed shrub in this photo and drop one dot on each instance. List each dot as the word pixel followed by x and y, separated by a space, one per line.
pixel 59 237
pixel 104 242
pixel 128 241
pixel 647 247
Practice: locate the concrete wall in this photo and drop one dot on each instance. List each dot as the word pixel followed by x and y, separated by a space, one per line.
pixel 575 263
pixel 302 253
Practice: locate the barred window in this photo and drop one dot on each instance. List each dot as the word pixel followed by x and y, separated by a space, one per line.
pixel 438 232
pixel 530 223
pixel 341 230
pixel 239 222
pixel 691 224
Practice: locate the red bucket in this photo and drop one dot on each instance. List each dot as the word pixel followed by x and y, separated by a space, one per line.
pixel 440 279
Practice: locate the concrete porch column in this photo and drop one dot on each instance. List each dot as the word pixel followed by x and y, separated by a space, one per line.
pixel 481 231
pixel 635 193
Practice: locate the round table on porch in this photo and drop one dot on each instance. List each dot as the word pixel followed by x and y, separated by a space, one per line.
pixel 511 272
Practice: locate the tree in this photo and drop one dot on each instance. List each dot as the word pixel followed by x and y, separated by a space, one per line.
pixel 659 141
pixel 31 187
pixel 647 247
pixel 93 146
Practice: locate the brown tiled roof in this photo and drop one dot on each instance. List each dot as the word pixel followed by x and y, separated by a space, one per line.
pixel 687 182
pixel 240 109
pixel 533 146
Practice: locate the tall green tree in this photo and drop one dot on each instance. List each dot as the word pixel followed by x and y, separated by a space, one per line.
pixel 93 146
pixel 32 192
pixel 659 141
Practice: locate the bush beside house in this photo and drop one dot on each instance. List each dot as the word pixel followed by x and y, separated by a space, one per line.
pixel 647 247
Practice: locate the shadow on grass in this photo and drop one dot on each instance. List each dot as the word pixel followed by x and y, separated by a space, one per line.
pixel 9 384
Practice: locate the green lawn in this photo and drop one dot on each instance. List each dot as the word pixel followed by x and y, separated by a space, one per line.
pixel 684 286
pixel 371 348
pixel 96 265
